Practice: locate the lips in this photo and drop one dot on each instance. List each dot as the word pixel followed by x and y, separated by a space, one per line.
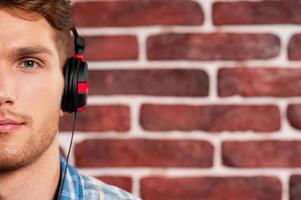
pixel 9 125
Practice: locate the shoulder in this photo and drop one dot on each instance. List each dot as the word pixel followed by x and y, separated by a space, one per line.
pixel 96 189
pixel 78 186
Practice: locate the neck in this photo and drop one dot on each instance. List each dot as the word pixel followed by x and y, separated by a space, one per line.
pixel 37 181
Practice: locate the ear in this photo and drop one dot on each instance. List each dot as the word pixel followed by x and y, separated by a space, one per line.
pixel 61 113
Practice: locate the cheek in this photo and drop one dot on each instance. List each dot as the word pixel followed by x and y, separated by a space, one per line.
pixel 41 95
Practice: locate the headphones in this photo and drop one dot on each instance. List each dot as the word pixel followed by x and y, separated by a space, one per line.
pixel 75 90
pixel 76 78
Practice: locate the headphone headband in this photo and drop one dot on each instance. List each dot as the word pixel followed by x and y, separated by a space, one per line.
pixel 79 42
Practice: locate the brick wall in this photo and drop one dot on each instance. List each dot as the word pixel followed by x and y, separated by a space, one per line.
pixel 192 99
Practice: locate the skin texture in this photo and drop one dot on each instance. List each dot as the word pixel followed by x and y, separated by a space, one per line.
pixel 31 87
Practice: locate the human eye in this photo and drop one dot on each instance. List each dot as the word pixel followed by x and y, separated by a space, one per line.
pixel 29 63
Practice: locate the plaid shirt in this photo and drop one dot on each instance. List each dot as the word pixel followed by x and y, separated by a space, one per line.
pixel 82 187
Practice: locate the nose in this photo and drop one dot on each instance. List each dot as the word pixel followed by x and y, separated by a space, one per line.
pixel 7 94
pixel 6 98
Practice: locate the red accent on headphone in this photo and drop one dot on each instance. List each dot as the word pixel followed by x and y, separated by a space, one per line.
pixel 81 109
pixel 79 56
pixel 83 88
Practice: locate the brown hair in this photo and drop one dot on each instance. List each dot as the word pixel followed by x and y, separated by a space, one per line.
pixel 58 13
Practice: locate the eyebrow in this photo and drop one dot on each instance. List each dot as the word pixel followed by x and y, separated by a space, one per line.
pixel 31 50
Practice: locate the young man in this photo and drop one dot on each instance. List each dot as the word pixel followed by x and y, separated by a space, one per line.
pixel 34 41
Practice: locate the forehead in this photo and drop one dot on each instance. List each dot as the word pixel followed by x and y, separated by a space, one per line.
pixel 26 31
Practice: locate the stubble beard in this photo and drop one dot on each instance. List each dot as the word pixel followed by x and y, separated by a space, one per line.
pixel 12 159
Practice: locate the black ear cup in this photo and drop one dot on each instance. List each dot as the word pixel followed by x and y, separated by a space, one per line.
pixel 82 86
pixel 76 78
pixel 65 98
pixel 76 85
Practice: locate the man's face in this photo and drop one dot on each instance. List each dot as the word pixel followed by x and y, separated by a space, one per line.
pixel 31 87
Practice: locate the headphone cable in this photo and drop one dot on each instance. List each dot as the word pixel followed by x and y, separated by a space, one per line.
pixel 67 159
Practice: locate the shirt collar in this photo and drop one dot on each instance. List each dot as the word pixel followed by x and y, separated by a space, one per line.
pixel 73 188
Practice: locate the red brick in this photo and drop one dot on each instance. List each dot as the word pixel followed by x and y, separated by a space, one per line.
pixel 259 82
pixel 143 153
pixel 111 48
pixel 260 12
pixel 99 118
pixel 211 188
pixel 138 13
pixel 294 47
pixel 212 46
pixel 295 187
pixel 294 115
pixel 212 118
pixel 150 82
pixel 124 183
pixel 262 154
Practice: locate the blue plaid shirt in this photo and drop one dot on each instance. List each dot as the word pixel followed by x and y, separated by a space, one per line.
pixel 82 187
